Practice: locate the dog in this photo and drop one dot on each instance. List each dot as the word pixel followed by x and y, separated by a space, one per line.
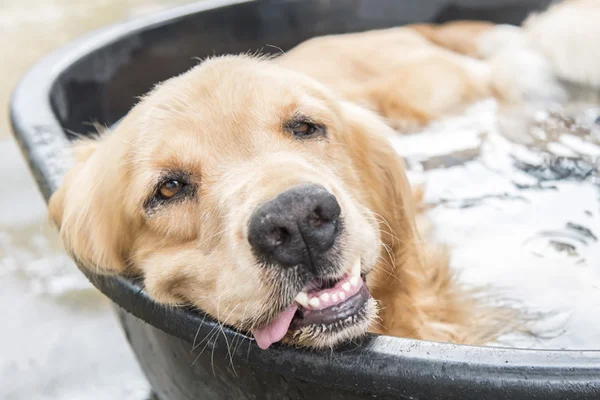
pixel 264 191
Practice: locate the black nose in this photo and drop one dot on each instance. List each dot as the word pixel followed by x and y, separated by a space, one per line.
pixel 295 228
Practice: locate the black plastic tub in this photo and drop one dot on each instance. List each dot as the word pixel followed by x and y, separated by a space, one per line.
pixel 186 356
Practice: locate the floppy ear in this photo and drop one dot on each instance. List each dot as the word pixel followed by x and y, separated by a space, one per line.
pixel 81 150
pixel 88 207
pixel 380 168
pixel 388 195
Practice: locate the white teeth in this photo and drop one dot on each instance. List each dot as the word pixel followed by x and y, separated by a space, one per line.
pixel 356 268
pixel 326 299
pixel 302 299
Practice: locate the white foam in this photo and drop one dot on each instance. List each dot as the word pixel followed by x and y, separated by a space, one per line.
pixel 518 240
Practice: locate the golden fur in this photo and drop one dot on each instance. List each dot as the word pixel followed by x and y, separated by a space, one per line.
pixel 222 124
pixel 402 83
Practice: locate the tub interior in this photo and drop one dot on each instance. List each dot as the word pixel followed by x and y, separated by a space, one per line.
pixel 103 85
pixel 521 214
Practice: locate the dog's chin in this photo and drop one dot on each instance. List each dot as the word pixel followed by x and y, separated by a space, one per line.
pixel 326 312
pixel 329 328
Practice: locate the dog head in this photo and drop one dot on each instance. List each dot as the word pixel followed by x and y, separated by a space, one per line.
pixel 247 190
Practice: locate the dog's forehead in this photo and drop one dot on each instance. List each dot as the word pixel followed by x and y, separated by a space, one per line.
pixel 238 83
pixel 232 98
pixel 224 112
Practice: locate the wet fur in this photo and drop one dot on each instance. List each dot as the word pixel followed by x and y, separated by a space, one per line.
pixel 358 85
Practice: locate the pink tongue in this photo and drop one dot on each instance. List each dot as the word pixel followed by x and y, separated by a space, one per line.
pixel 276 330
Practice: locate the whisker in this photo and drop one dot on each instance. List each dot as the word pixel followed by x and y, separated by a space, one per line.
pixel 198 332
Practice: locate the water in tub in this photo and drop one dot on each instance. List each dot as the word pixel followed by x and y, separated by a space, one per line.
pixel 516 194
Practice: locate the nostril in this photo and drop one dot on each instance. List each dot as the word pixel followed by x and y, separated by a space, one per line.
pixel 277 236
pixel 316 218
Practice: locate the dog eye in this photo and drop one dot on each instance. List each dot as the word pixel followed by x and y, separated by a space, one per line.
pixel 170 188
pixel 303 129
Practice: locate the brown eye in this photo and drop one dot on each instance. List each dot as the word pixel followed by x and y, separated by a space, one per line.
pixel 170 188
pixel 303 129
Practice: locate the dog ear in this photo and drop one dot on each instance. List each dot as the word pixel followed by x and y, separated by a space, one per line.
pixel 382 178
pixel 380 168
pixel 80 150
pixel 87 208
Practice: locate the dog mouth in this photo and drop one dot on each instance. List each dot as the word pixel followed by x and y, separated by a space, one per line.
pixel 329 306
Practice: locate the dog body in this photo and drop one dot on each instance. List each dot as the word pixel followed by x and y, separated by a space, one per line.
pixel 396 72
pixel 264 191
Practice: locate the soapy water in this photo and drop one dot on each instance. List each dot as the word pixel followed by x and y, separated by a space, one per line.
pixel 516 194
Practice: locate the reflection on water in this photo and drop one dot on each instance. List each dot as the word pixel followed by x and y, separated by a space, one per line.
pixel 516 193
pixel 60 339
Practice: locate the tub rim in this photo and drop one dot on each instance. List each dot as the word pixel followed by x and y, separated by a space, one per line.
pixel 399 363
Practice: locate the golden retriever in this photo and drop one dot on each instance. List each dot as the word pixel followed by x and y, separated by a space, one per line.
pixel 265 193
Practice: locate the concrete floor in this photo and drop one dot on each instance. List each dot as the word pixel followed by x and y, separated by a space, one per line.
pixel 60 338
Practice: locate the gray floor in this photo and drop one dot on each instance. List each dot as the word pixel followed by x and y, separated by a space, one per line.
pixel 61 339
